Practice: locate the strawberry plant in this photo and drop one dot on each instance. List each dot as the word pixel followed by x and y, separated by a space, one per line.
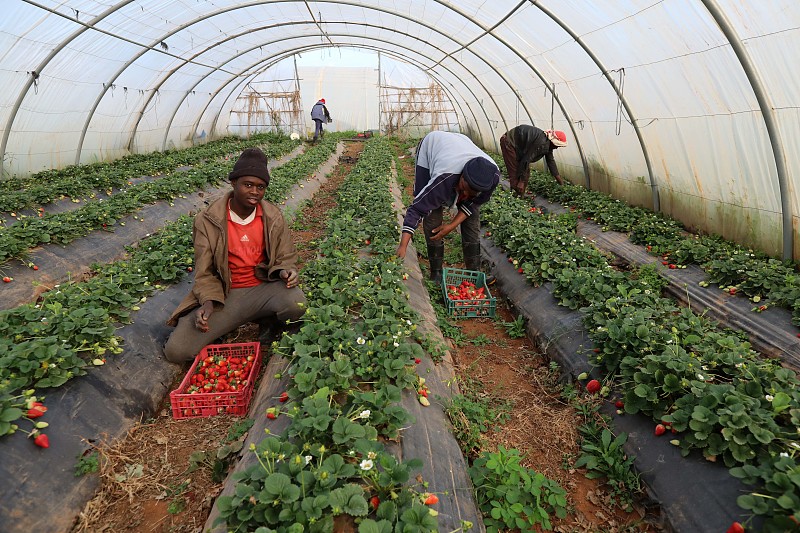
pixel 512 496
pixel 713 390
pixel 75 181
pixel 473 412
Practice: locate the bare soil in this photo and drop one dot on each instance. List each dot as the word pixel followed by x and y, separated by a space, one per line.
pixel 145 485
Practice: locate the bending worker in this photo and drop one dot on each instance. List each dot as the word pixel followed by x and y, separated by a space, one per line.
pixel 450 172
pixel 524 145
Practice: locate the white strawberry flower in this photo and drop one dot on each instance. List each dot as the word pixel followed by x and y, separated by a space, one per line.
pixel 360 340
pixel 366 464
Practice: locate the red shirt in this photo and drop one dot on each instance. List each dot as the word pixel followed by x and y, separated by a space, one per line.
pixel 245 250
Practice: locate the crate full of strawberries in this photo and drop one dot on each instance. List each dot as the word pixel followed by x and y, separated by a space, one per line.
pixel 220 381
pixel 466 294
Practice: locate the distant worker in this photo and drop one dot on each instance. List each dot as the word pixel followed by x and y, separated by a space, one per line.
pixel 450 172
pixel 320 114
pixel 524 145
pixel 245 266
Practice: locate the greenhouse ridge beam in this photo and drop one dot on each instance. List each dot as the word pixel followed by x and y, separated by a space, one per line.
pixel 607 75
pixel 767 112
pixel 487 31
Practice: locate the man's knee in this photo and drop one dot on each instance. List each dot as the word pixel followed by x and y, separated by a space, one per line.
pixel 176 352
pixel 179 349
pixel 293 305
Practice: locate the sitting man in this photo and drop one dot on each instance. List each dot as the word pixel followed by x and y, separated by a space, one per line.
pixel 245 265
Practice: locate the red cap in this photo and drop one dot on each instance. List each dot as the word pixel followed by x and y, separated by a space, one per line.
pixel 323 101
pixel 558 138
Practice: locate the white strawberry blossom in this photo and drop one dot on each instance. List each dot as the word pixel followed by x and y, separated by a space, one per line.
pixel 769 397
pixel 366 464
pixel 365 413
pixel 308 458
pixel 360 340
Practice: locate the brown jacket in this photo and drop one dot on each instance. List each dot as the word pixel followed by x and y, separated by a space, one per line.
pixel 212 276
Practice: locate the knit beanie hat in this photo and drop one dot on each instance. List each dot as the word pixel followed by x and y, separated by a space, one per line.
pixel 480 174
pixel 556 137
pixel 252 162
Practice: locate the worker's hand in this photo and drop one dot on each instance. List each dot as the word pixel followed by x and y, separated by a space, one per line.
pixel 401 251
pixel 291 277
pixel 559 180
pixel 202 315
pixel 439 233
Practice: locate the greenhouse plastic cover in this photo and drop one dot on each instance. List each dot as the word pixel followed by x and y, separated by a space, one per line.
pixel 687 107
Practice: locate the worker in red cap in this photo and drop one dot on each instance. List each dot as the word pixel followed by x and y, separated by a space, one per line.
pixel 523 145
pixel 319 113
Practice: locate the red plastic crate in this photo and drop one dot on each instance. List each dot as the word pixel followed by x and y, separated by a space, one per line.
pixel 204 404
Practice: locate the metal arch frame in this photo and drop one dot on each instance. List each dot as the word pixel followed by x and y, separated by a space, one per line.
pixel 490 31
pixel 607 75
pixel 166 134
pixel 124 3
pixel 289 53
pixel 53 53
pixel 251 4
pixel 767 111
pixel 392 13
pixel 312 47
pixel 407 18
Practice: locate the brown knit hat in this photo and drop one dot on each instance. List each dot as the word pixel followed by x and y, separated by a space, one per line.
pixel 252 162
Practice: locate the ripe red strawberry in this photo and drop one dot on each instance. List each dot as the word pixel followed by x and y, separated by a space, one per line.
pixel 660 430
pixel 619 404
pixel 36 410
pixel 366 242
pixel 417 360
pixel 665 263
pixel 283 397
pixel 189 269
pixel 593 386
pixel 41 441
pixel 673 266
pixel 374 502
pixel 271 416
pixel 519 270
pixel 35 267
pixel 736 527
pixel 6 279
pixel 431 499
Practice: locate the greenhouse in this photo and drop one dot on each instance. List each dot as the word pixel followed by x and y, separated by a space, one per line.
pixel 608 339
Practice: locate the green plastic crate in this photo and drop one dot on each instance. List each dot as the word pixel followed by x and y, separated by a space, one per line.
pixel 483 307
